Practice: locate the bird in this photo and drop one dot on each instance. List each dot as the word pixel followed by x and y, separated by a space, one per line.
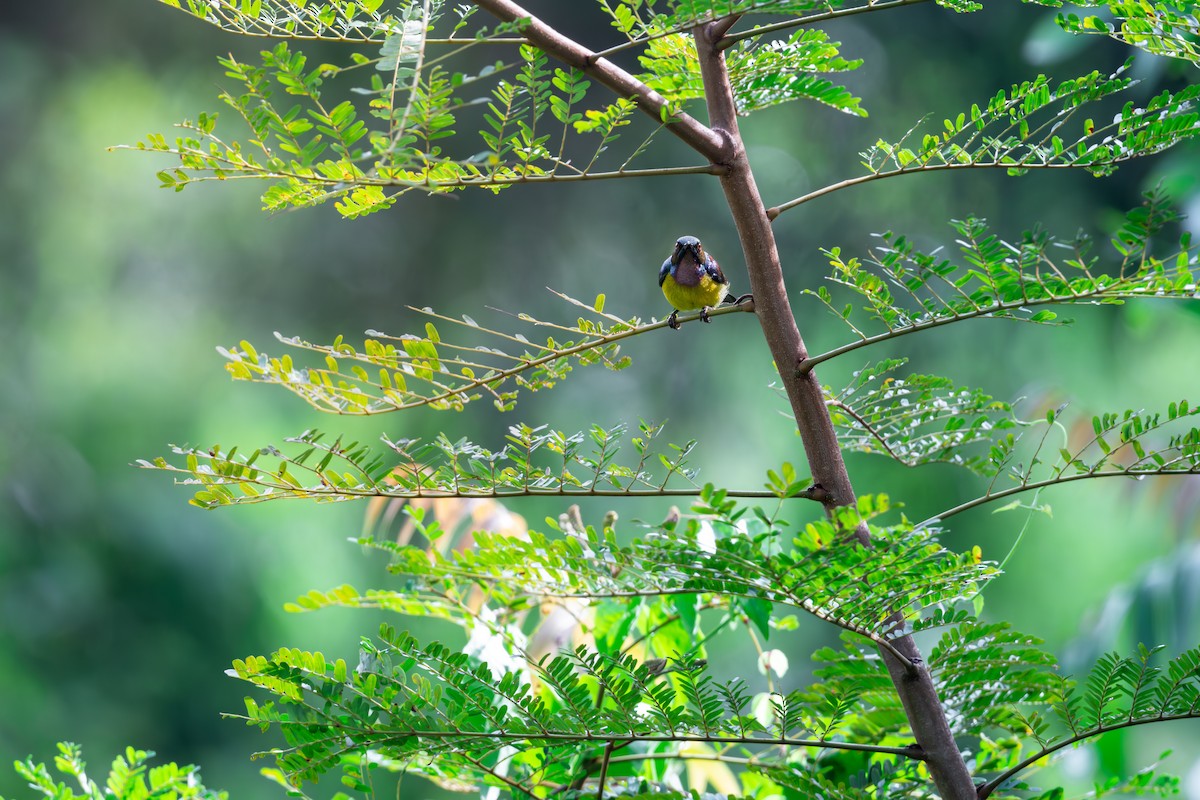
pixel 691 278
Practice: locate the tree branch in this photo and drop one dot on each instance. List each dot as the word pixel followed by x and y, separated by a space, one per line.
pixel 1028 487
pixel 341 493
pixel 608 748
pixel 718 28
pixel 905 665
pixel 986 312
pixel 775 211
pixel 334 398
pixel 760 30
pixel 693 133
pixel 986 790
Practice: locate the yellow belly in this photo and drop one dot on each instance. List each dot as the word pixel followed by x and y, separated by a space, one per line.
pixel 685 298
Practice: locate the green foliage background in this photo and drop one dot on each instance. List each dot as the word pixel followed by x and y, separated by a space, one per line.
pixel 120 606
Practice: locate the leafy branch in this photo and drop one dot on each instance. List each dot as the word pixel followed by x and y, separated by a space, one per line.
pixel 644 22
pixel 332 21
pixel 1163 27
pixel 1027 128
pixel 1118 693
pixel 923 419
pixel 997 679
pixel 1130 445
pixel 420 104
pixel 397 372
pixel 405 138
pixel 1001 279
pixel 760 75
pixel 917 419
pixel 130 778
pixel 534 461
pixel 875 592
pixel 430 710
pixel 987 672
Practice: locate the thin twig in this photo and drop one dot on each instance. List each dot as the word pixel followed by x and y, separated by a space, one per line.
pixel 760 30
pixel 986 790
pixel 1027 487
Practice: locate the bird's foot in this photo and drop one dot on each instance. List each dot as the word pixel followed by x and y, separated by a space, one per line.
pixel 704 315
pixel 673 320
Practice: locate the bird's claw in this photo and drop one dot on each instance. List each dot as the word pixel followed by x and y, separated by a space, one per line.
pixel 673 320
pixel 704 315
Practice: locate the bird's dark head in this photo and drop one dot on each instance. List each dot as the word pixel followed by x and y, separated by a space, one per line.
pixel 688 244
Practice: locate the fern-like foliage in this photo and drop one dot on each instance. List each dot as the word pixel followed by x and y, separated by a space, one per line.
pixel 1029 126
pixel 986 671
pixel 130 778
pixel 533 461
pixel 1163 27
pixel 1036 125
pixel 476 720
pixel 843 778
pixel 429 710
pixel 335 21
pixel 996 680
pixel 924 419
pixel 397 372
pixel 917 419
pixel 906 290
pixel 447 715
pixel 1119 692
pixel 750 559
pixel 760 75
pixel 401 135
pixel 989 676
pixel 1130 444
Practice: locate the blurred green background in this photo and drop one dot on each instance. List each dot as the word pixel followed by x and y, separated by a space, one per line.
pixel 120 605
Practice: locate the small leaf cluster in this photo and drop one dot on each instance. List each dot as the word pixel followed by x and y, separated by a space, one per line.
pixel 426 709
pixel 1163 27
pixel 402 135
pixel 728 552
pixel 534 461
pixel 1030 126
pixel 917 419
pixel 906 290
pixel 397 372
pixel 761 75
pixel 1119 692
pixel 130 778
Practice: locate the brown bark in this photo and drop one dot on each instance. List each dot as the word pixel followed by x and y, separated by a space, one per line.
pixel 913 682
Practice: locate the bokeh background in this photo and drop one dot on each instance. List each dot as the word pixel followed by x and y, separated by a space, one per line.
pixel 121 606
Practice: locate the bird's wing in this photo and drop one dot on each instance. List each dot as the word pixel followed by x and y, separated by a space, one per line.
pixel 664 272
pixel 714 270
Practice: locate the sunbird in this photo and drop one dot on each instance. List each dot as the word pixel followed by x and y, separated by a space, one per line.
pixel 691 279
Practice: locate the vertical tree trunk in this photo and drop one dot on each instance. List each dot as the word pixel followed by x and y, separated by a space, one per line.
pixel 722 144
pixel 912 680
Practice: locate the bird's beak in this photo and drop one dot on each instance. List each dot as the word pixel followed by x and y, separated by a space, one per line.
pixel 678 254
pixel 696 250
